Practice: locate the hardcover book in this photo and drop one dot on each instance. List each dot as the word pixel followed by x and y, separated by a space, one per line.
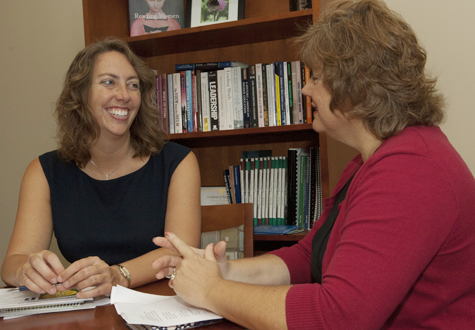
pixel 147 17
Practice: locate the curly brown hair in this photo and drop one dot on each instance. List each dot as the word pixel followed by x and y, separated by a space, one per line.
pixel 370 61
pixel 77 128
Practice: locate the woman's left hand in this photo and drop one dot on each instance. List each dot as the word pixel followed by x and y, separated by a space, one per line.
pixel 89 272
pixel 195 274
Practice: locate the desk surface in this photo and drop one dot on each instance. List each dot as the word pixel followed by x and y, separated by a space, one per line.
pixel 102 317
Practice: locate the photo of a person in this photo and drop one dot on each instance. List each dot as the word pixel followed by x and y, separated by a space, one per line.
pixel 154 20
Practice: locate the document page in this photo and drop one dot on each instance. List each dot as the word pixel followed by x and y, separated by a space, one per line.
pixel 143 308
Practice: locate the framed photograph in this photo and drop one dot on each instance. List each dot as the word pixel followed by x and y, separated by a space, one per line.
pixel 206 12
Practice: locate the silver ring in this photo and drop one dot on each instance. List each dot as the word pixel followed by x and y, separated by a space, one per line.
pixel 172 276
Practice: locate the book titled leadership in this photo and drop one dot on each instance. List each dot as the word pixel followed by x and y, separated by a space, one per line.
pixel 147 17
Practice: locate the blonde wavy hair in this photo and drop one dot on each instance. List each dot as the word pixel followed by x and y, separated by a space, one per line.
pixel 370 61
pixel 76 125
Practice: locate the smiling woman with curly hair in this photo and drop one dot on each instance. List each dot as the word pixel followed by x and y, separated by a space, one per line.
pixel 113 184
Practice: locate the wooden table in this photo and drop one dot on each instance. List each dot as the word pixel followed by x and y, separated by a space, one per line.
pixel 102 317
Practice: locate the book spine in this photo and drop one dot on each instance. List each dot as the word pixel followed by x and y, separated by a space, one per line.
pixel 228 79
pixel 302 170
pixel 308 98
pixel 295 101
pixel 285 189
pixel 304 98
pixel 232 183
pixel 290 118
pixel 283 118
pixel 259 164
pixel 253 96
pixel 183 102
pixel 277 97
pixel 199 110
pixel 260 96
pixel 194 97
pixel 272 185
pixel 265 190
pixel 265 97
pixel 268 189
pixel 270 73
pixel 184 67
pixel 286 93
pixel 208 66
pixel 222 109
pixel 177 103
pixel 242 169
pixel 292 187
pixel 189 101
pixel 253 189
pixel 213 99
pixel 164 91
pixel 245 98
pixel 205 102
pixel 307 195
pixel 237 98
pixel 237 183
pixel 171 118
pixel 227 184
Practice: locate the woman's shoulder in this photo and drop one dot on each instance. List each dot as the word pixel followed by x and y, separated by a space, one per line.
pixel 172 148
pixel 171 154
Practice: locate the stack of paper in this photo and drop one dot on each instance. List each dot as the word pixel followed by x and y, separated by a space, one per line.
pixel 138 308
pixel 15 303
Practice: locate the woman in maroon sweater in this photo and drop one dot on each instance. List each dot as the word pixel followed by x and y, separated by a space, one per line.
pixel 395 246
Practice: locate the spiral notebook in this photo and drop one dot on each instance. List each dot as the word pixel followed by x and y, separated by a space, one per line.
pixel 14 302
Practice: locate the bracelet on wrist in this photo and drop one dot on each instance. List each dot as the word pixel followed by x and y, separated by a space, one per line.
pixel 124 272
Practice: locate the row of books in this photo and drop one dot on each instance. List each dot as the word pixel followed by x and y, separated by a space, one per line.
pixel 203 97
pixel 284 190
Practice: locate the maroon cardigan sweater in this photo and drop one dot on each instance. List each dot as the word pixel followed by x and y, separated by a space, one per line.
pixel 402 251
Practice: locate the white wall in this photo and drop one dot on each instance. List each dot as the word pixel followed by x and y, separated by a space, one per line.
pixel 446 29
pixel 39 39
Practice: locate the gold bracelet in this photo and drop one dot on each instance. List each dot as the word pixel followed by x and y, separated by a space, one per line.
pixel 124 272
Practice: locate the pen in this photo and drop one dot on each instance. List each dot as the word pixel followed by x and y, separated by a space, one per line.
pixel 21 288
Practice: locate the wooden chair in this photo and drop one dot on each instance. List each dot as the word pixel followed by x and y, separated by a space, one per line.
pixel 219 217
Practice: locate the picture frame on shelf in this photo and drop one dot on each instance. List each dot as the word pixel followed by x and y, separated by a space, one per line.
pixel 207 12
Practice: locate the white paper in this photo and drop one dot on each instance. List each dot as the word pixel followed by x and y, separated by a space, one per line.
pixel 143 308
pixel 13 297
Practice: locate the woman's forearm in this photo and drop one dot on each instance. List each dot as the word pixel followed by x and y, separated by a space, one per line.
pixel 266 269
pixel 252 306
pixel 10 269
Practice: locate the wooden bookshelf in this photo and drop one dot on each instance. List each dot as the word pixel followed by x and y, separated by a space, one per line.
pixel 265 35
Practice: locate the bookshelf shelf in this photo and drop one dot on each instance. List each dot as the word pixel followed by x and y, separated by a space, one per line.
pixel 255 135
pixel 268 28
pixel 265 35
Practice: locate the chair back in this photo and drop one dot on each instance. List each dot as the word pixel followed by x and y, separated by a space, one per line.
pixel 219 217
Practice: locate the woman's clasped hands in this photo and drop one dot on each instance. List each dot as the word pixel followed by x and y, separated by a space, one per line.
pixel 44 273
pixel 196 270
